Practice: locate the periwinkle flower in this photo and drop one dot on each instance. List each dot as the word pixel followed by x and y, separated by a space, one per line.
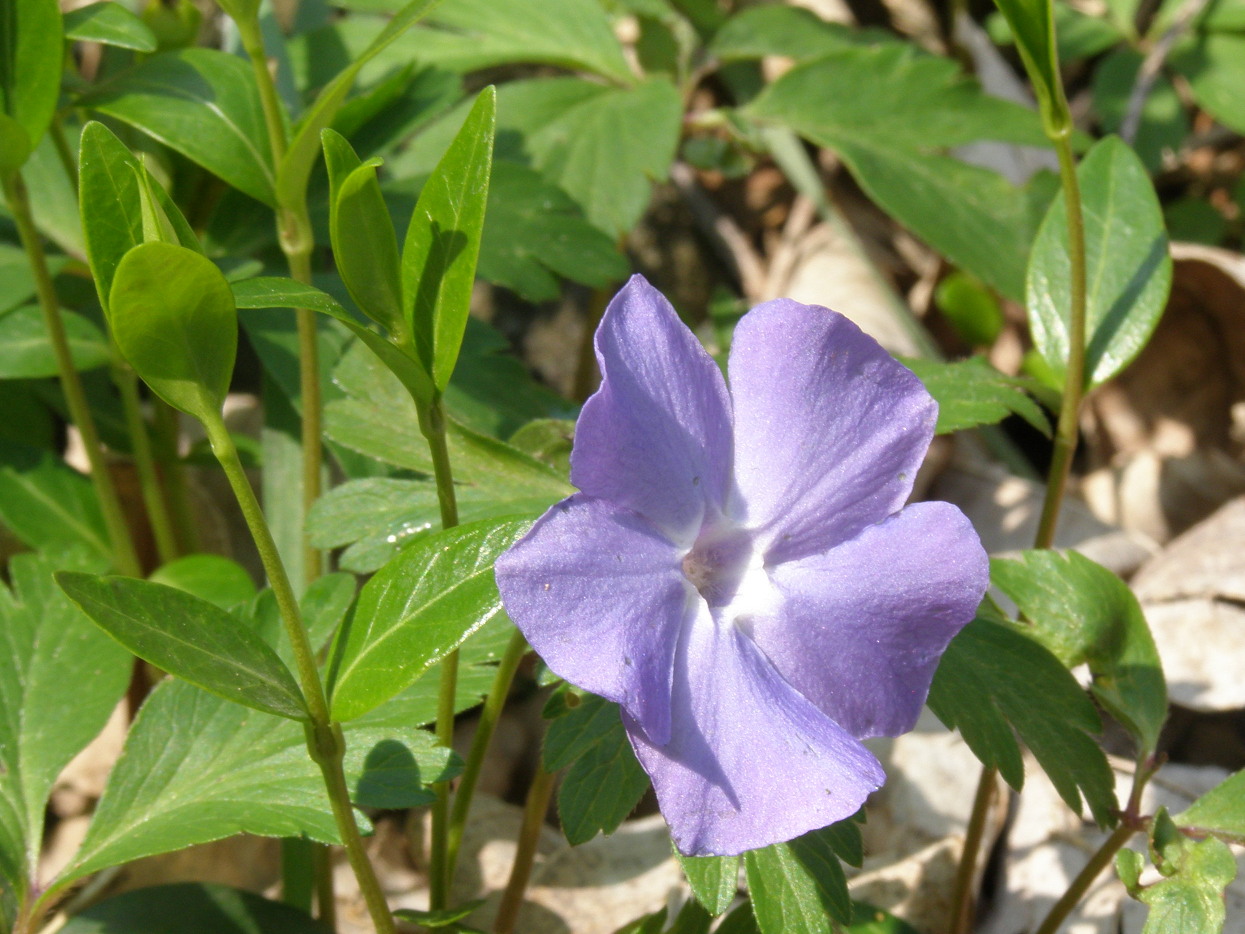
pixel 739 571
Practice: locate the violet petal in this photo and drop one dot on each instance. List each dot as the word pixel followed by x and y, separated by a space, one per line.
pixel 860 629
pixel 829 428
pixel 599 595
pixel 656 436
pixel 750 761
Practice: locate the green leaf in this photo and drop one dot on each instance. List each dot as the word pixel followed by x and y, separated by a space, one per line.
pixel 378 418
pixel 109 183
pixel 365 248
pixel 1214 65
pixel 47 645
pixel 378 516
pixel 416 610
pixel 601 787
pixel 924 103
pixel 974 217
pixel 394 778
pixel 969 307
pixel 1033 28
pixel 218 580
pixel 443 242
pixel 1190 897
pixel 759 31
pixel 191 908
pixel 603 146
pixel 572 34
pixel 1164 123
pixel 280 292
pixel 110 24
pixel 196 768
pixel 173 317
pixel 304 148
pixel 27 353
pixel 190 638
pixel 202 103
pixel 438 919
pixel 1221 811
pixel 714 880
pixel 798 887
pixel 578 730
pixel 740 921
pixel 1128 267
pixel 1086 615
pixel 994 679
pixel 47 504
pixel 536 232
pixel 32 55
pixel 971 392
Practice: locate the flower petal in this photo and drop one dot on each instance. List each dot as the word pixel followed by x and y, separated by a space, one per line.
pixel 750 762
pixel 829 428
pixel 859 630
pixel 656 436
pixel 600 596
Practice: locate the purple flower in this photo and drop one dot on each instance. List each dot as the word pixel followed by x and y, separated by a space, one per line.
pixel 739 571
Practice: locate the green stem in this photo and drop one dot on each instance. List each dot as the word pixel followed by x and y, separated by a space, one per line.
pixel 489 715
pixel 1085 878
pixel 312 405
pixel 322 873
pixel 529 837
pixel 304 655
pixel 124 555
pixel 1074 382
pixel 324 738
pixel 56 130
pixel 433 425
pixel 962 894
pixel 270 101
pixel 144 462
pixel 1065 440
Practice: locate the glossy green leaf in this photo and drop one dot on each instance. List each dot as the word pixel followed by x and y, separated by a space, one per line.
pixel 14 144
pixel 280 292
pixel 196 768
pixel 27 353
pixel 446 917
pixel 375 517
pixel 572 34
pixel 109 182
pixel 1220 811
pixel 417 609
pixel 394 778
pixel 714 880
pixel 601 787
pixel 190 638
pixel 202 103
pixel 191 908
pixel 376 404
pixel 578 730
pixel 924 103
pixel 993 680
pixel 443 242
pixel 1128 267
pixel 973 216
pixel 798 887
pixel 365 248
pixel 1033 28
pixel 173 317
pixel 304 148
pixel 47 644
pixel 740 921
pixel 1086 615
pixel 213 578
pixel 31 58
pixel 971 392
pixel 47 504
pixel 1214 65
pixel 110 24
pixel 535 233
pixel 604 146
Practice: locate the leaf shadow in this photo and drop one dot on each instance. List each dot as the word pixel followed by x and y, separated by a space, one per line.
pixel 1116 317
